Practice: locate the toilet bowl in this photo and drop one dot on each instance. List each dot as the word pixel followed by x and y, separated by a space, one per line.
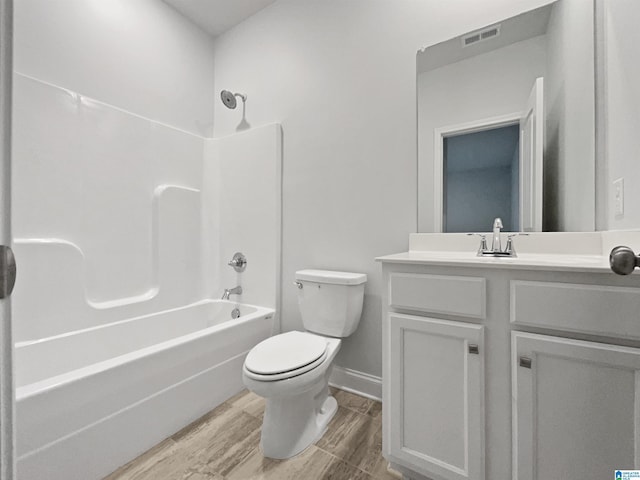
pixel 298 404
pixel 291 370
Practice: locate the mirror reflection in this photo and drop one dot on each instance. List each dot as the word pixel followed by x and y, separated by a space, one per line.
pixel 618 95
pixel 481 179
pixel 506 125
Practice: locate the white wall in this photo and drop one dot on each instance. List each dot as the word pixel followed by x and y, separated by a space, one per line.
pixel 623 108
pixel 341 78
pixel 490 85
pixel 141 56
pixel 569 167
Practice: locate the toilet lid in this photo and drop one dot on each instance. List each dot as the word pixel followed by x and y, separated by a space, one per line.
pixel 285 352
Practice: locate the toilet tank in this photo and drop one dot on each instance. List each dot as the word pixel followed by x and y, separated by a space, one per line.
pixel 330 302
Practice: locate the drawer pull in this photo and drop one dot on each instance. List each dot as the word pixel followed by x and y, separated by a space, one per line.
pixel 473 348
pixel 525 362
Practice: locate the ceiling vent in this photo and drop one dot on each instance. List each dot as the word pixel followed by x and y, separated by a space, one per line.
pixel 481 35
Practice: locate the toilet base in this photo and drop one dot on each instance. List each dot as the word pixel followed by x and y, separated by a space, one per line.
pixel 291 424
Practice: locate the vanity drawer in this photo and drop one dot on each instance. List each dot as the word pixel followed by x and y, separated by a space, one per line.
pixel 592 309
pixel 461 296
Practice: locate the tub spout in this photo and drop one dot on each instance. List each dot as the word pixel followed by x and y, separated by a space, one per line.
pixel 231 291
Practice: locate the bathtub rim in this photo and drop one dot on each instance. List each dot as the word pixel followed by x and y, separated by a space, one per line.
pixel 40 387
pixel 26 343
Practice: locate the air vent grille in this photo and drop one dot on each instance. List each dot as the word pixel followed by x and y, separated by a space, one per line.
pixel 481 35
pixel 471 39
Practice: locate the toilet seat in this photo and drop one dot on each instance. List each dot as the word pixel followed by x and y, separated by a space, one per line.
pixel 285 356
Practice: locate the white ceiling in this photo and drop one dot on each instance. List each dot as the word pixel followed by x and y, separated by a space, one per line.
pixel 218 16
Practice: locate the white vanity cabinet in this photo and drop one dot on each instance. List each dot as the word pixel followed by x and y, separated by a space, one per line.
pixel 522 373
pixel 437 385
pixel 434 391
pixel 575 408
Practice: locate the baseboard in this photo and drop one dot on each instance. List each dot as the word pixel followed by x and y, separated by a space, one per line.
pixel 360 383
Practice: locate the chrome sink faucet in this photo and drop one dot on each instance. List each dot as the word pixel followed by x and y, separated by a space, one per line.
pixel 496 242
pixel 231 291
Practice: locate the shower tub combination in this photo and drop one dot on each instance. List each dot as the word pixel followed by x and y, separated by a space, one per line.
pixel 99 378
pixel 89 401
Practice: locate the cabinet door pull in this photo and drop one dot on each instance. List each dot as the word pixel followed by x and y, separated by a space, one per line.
pixel 473 348
pixel 525 362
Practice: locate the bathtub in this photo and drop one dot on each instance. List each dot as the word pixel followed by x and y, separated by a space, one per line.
pixel 89 401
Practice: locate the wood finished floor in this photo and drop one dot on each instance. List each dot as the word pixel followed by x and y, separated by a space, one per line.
pixel 224 445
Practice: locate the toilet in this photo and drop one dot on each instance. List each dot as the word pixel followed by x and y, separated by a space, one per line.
pixel 291 370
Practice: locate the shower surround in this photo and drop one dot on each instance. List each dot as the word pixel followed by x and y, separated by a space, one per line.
pixel 123 227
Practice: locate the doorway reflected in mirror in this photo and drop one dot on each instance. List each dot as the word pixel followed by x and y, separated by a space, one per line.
pixel 481 179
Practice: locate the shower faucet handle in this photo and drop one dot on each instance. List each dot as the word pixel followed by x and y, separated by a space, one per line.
pixel 238 262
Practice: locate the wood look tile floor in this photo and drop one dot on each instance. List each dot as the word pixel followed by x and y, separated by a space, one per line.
pixel 225 445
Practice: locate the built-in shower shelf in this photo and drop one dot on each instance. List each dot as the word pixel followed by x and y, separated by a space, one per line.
pixel 55 272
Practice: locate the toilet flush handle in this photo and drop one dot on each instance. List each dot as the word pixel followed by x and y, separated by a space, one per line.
pixel 298 284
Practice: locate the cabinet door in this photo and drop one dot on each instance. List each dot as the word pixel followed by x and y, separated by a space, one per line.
pixel 576 408
pixel 436 397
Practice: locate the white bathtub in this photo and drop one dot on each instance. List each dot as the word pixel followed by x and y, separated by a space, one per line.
pixel 91 400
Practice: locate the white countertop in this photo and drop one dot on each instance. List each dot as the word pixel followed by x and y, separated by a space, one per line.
pixel 532 261
pixel 575 251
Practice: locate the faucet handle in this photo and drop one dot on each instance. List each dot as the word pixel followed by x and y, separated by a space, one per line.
pixel 510 249
pixel 238 262
pixel 483 242
pixel 517 234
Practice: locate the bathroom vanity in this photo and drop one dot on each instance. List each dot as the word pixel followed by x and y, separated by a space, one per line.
pixel 522 368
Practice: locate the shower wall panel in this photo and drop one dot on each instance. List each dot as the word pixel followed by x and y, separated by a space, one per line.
pixel 107 212
pixel 243 175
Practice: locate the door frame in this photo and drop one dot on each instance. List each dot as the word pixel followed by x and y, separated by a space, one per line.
pixel 532 127
pixel 7 402
pixel 440 134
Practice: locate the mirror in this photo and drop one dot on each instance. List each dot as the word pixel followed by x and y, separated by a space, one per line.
pixel 506 124
pixel 618 120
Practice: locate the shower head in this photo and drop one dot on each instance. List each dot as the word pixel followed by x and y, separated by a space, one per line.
pixel 229 98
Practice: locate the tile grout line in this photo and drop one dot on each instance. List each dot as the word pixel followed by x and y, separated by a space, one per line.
pixel 370 474
pixel 122 470
pixel 345 461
